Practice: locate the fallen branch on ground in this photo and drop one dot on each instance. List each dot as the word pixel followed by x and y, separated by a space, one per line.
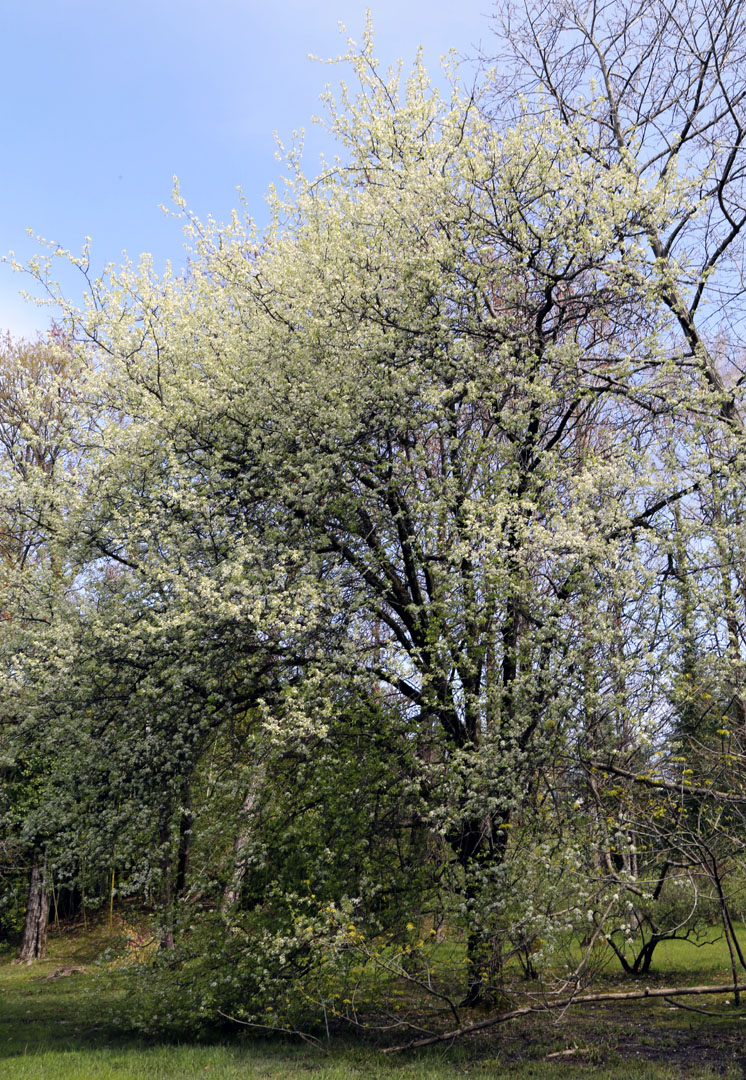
pixel 584 999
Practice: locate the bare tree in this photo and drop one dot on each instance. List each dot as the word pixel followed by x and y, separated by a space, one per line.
pixel 658 88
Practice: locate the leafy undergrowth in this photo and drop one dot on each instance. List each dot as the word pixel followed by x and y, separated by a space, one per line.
pixel 55 1028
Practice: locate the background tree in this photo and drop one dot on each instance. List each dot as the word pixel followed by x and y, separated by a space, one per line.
pixel 37 414
pixel 655 91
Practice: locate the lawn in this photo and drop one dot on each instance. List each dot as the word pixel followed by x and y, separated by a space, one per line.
pixel 52 1028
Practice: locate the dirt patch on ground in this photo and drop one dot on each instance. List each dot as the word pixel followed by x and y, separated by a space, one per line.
pixel 686 1042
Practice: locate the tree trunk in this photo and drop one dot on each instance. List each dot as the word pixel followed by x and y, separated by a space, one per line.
pixel 173 880
pixel 185 836
pixel 166 883
pixel 481 847
pixel 34 944
pixel 232 890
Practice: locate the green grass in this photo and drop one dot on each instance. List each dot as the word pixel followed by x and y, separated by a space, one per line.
pixel 52 1030
pixel 688 960
pixel 177 1063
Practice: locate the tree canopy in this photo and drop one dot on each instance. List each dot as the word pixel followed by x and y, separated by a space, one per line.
pixel 393 582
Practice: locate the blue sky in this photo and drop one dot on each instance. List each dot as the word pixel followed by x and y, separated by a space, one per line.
pixel 103 103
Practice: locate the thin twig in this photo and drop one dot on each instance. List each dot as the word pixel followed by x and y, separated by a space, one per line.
pixel 311 1039
pixel 691 1008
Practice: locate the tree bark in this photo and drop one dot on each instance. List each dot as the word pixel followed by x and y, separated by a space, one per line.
pixel 480 847
pixel 34 943
pixel 232 891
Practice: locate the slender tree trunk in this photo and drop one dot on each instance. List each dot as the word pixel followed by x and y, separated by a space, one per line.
pixel 173 880
pixel 185 836
pixel 232 891
pixel 166 885
pixel 34 944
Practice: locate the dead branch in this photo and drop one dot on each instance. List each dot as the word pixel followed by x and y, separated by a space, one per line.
pixel 585 999
pixel 691 1008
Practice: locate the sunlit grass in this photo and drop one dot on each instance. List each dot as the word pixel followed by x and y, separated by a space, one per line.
pixel 223 1063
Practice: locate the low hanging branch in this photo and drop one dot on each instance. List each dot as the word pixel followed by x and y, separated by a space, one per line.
pixel 564 1003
